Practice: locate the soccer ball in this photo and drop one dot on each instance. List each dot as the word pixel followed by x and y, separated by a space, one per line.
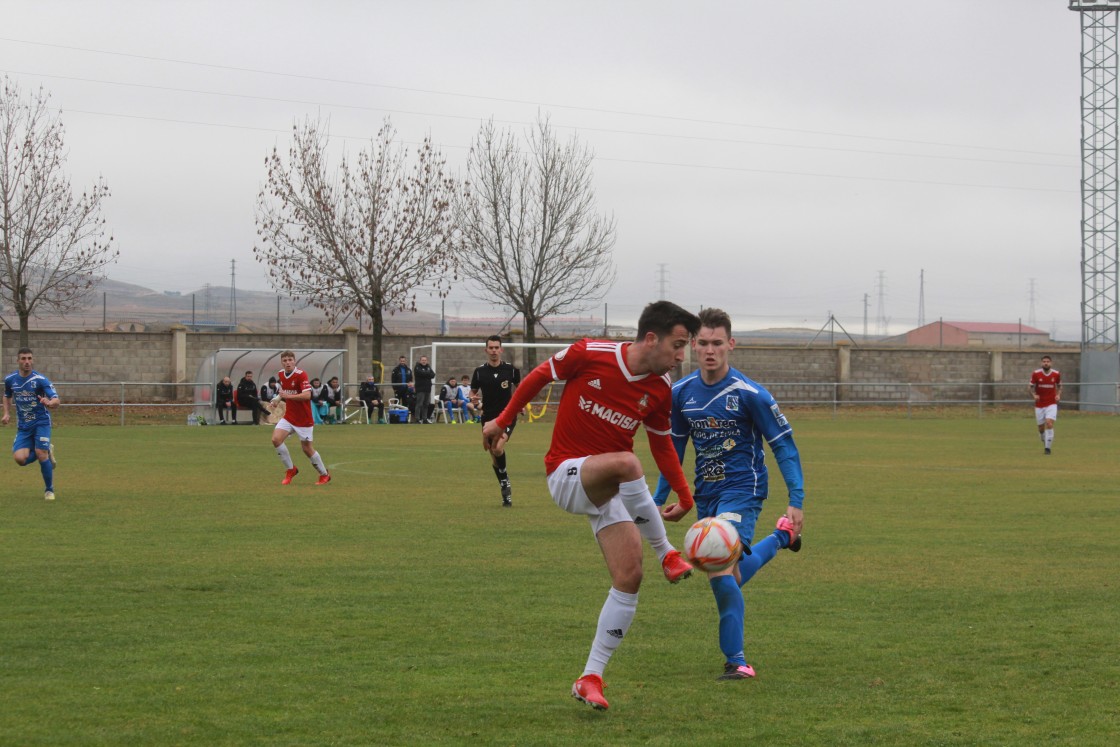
pixel 712 544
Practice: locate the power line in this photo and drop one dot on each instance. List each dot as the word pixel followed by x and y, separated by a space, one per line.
pixel 708 167
pixel 436 92
pixel 605 130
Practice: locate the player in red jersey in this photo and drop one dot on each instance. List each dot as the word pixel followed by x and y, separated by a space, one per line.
pixel 1046 386
pixel 295 391
pixel 611 388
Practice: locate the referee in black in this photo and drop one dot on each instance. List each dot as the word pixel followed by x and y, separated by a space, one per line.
pixel 494 381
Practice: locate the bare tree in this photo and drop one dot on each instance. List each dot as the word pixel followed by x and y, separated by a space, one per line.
pixel 363 237
pixel 52 244
pixel 530 229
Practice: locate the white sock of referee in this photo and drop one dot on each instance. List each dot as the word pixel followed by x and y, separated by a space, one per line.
pixel 614 620
pixel 639 503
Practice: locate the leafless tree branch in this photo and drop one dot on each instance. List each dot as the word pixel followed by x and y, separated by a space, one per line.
pixel 530 227
pixel 363 236
pixel 52 245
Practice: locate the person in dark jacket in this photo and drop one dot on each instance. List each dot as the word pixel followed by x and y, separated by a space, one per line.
pixel 334 401
pixel 370 395
pixel 223 399
pixel 423 375
pixel 401 379
pixel 247 397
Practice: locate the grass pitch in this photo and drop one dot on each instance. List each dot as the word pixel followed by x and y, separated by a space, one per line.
pixel 956 588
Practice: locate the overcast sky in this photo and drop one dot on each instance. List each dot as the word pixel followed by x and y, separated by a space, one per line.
pixel 783 160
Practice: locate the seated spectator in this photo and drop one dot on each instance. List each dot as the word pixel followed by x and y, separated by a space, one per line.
pixel 319 404
pixel 334 401
pixel 246 397
pixel 469 414
pixel 447 398
pixel 223 398
pixel 370 395
pixel 270 390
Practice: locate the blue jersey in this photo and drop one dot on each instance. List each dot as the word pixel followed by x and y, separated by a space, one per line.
pixel 730 423
pixel 25 393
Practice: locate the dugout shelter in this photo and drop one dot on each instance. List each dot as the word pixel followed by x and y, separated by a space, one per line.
pixel 319 364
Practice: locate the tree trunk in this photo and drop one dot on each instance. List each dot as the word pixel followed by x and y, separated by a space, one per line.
pixel 530 337
pixel 24 326
pixel 377 319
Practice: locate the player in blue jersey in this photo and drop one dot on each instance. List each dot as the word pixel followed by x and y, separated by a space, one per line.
pixel 34 397
pixel 730 418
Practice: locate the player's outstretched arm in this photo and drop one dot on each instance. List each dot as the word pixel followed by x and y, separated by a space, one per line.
pixel 665 454
pixel 789 462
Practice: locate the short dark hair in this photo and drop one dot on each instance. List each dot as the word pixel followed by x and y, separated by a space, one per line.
pixel 714 318
pixel 494 338
pixel 660 317
pixel 1046 358
pixel 25 351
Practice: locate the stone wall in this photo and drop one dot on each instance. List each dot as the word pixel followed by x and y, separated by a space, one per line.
pixel 794 374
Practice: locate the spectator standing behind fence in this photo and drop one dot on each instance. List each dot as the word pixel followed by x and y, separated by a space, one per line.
pixel 423 376
pixel 401 378
pixel 270 390
pixel 247 398
pixel 334 401
pixel 34 397
pixel 370 395
pixel 223 399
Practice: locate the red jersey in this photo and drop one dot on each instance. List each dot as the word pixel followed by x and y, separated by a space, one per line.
pixel 602 406
pixel 1046 385
pixel 296 412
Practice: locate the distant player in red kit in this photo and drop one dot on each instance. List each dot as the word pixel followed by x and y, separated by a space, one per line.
pixel 1046 386
pixel 612 388
pixel 295 391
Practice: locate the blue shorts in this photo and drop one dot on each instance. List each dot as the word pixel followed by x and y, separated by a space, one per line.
pixel 740 509
pixel 35 437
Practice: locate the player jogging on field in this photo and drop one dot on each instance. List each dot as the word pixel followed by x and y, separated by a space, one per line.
pixel 34 397
pixel 295 391
pixel 612 388
pixel 729 418
pixel 495 380
pixel 1046 386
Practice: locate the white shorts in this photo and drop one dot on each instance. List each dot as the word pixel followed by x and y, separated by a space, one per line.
pixel 1042 414
pixel 302 431
pixel 567 491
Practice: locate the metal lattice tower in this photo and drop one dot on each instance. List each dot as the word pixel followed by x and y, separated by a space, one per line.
pixel 1099 217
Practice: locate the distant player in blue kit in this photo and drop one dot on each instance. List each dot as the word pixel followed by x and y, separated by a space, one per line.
pixel 34 397
pixel 730 418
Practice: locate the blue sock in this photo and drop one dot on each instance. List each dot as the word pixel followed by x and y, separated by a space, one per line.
pixel 31 459
pixel 762 552
pixel 48 473
pixel 729 602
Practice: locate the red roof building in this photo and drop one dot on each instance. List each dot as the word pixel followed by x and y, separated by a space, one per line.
pixel 977 334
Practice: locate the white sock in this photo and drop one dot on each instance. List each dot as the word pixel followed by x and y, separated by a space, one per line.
pixel 614 620
pixel 285 457
pixel 1049 437
pixel 639 503
pixel 317 463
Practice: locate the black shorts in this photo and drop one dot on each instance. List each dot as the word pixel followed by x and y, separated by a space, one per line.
pixel 509 428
